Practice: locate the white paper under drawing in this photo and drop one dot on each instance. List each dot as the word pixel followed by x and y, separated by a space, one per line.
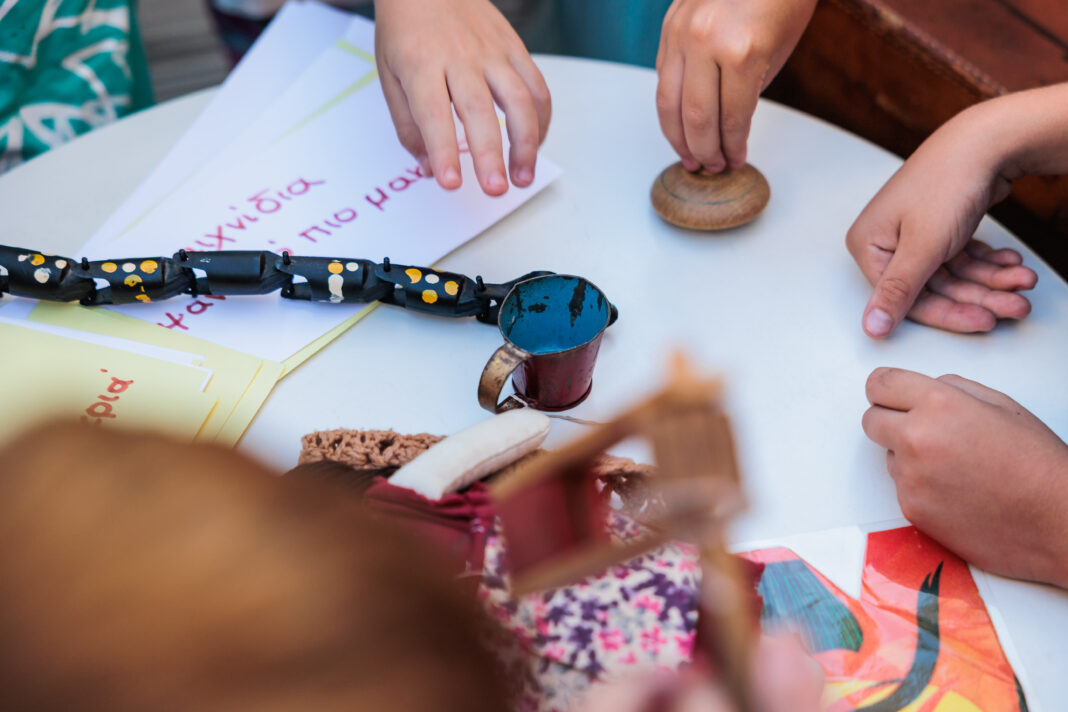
pixel 292 42
pixel 333 182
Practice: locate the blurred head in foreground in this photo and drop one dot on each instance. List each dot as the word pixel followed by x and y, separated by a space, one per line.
pixel 141 574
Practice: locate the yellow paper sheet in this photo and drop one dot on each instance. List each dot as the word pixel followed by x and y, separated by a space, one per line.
pixel 240 382
pixel 47 376
pixel 251 401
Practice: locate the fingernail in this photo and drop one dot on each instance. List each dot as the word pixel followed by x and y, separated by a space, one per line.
pixel 690 164
pixel 878 323
pixel 715 167
pixel 524 175
pixel 452 176
pixel 496 181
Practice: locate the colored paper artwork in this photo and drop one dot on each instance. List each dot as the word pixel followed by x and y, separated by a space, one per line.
pixel 919 639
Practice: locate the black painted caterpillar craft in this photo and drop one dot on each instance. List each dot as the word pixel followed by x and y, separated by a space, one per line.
pixel 337 280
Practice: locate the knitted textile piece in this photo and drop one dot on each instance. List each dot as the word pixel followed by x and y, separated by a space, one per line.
pixel 364 449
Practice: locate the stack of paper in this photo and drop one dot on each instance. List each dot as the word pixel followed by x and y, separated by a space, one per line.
pixel 295 153
pixel 101 381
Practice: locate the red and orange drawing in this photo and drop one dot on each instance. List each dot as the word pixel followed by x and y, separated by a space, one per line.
pixel 918 640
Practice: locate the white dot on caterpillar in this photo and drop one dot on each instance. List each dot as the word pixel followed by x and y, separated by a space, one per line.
pixel 432 279
pixel 61 263
pixel 352 266
pixel 128 266
pixel 42 274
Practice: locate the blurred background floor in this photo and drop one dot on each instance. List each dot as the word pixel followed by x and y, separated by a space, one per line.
pixel 184 51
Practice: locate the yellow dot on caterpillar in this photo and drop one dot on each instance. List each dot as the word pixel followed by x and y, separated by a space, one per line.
pixel 149 266
pixel 335 268
pixel 143 298
pixel 430 296
pixel 432 279
pixel 451 288
pixel 132 281
pixel 109 267
pixel 413 274
pixel 37 259
pixel 128 267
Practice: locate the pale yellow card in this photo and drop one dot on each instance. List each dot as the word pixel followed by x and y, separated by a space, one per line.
pixel 240 382
pixel 47 376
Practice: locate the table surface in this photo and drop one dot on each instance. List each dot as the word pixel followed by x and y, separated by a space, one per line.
pixel 774 306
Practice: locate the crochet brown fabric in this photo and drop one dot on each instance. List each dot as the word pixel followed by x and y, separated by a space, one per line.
pixel 364 449
pixel 379 449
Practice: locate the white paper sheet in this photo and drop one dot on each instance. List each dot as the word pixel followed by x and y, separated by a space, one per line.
pixel 327 177
pixel 279 56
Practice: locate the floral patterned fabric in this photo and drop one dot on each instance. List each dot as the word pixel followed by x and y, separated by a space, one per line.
pixel 642 614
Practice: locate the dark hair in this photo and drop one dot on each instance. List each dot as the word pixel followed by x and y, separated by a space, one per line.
pixel 350 479
pixel 139 574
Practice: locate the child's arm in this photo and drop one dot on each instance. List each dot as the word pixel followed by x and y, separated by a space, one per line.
pixel 715 58
pixel 434 55
pixel 912 241
pixel 974 470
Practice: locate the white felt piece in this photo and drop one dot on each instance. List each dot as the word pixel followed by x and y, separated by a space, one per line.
pixel 471 454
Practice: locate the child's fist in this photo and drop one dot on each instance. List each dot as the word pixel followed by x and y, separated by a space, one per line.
pixel 715 58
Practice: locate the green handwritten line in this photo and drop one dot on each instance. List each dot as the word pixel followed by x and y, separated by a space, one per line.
pixel 359 84
pixel 353 49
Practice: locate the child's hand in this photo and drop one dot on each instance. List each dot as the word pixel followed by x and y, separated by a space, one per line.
pixel 913 240
pixel 974 470
pixel 437 54
pixel 785 679
pixel 715 58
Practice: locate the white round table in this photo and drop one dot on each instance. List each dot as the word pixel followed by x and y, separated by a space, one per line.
pixel 775 306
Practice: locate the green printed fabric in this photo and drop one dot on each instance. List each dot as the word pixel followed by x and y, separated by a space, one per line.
pixel 66 67
pixel 616 30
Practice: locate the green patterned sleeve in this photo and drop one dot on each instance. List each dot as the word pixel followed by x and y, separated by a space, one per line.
pixel 66 67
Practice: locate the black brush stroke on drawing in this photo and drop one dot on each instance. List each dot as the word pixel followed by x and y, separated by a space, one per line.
pixel 1020 694
pixel 923 662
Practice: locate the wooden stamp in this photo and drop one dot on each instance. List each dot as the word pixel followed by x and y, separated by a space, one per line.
pixel 709 201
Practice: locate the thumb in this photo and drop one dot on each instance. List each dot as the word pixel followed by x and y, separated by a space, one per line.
pixel 897 288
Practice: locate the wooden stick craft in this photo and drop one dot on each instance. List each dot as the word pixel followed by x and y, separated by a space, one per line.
pixel 699 484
